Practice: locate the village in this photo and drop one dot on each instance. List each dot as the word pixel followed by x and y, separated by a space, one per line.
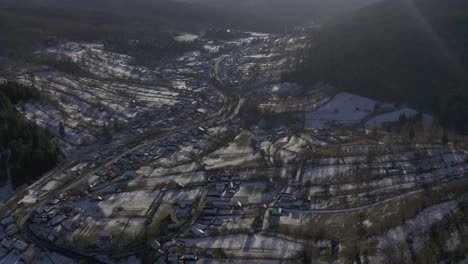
pixel 163 169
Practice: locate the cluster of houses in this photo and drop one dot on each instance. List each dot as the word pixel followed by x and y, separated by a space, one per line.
pixel 13 250
pixel 52 219
pixel 8 227
pixel 291 199
pixel 174 252
pixel 219 202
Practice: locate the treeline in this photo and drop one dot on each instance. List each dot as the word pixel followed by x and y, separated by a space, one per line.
pixel 412 53
pixel 27 25
pixel 31 149
pixel 147 50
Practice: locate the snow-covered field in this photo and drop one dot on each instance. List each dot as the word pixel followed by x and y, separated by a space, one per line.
pixel 344 108
pixel 347 109
pixel 256 245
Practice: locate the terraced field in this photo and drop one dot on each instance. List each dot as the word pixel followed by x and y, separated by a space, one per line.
pixel 111 94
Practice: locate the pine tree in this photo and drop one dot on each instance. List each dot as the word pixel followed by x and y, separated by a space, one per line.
pixel 445 139
pixel 62 129
pixel 412 133
pixel 106 131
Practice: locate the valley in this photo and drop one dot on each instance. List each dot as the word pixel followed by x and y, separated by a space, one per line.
pixel 209 157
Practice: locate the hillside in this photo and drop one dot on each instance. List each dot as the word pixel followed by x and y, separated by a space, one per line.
pixel 409 52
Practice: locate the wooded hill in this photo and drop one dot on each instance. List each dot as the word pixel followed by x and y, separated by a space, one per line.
pixel 411 52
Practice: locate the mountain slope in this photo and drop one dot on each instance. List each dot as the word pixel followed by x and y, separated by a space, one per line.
pixel 412 52
pixel 285 13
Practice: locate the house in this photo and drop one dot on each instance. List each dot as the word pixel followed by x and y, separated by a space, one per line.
pixel 170 221
pixel 225 212
pixel 218 221
pixel 155 244
pixel 105 236
pixel 47 209
pixel 172 244
pixel 172 258
pixel 20 245
pixel 7 221
pixel 172 226
pixel 185 204
pixel 220 187
pixel 277 211
pixel 52 236
pixel 68 225
pixel 210 211
pixel 53 201
pixel 222 204
pixel 183 212
pixel 200 226
pixel 128 175
pixel 227 195
pixel 225 179
pixel 189 257
pixel 100 187
pixel 6 244
pixel 287 197
pixel 213 193
pixel 197 232
pixel 11 230
pixel 236 179
pixel 297 204
pixel 171 148
pixel 57 220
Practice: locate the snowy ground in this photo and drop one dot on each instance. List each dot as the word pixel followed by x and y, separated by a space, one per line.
pixel 187 37
pixel 344 108
pixel 257 245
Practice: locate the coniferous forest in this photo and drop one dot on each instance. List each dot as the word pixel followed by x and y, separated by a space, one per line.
pixel 27 149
